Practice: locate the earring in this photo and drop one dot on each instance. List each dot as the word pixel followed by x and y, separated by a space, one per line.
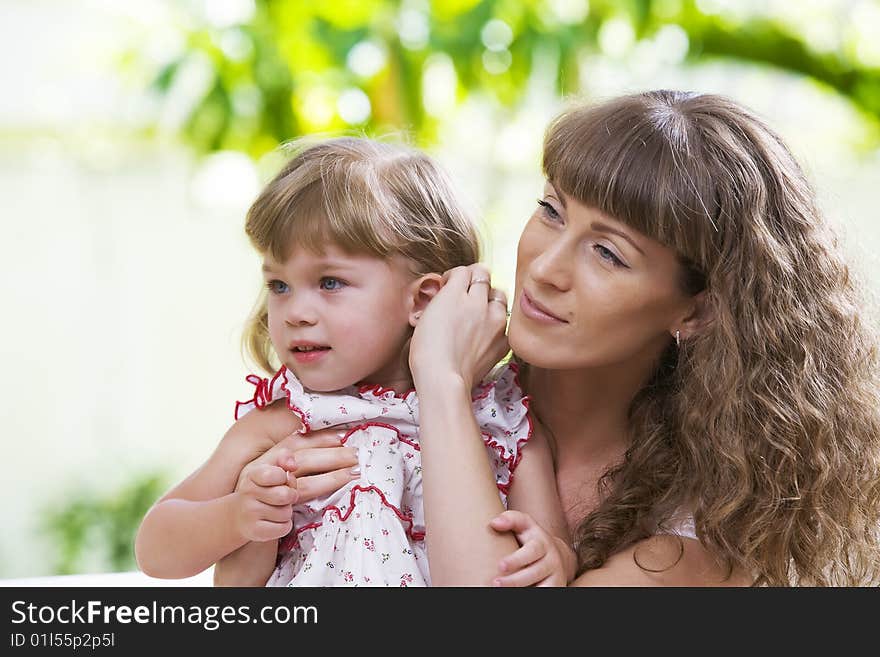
pixel 417 315
pixel 678 338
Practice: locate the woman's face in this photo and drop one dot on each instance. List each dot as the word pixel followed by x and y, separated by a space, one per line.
pixel 591 291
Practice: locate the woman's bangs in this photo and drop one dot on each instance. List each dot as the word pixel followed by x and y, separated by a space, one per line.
pixel 640 179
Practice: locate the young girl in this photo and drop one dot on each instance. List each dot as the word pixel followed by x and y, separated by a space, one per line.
pixel 354 236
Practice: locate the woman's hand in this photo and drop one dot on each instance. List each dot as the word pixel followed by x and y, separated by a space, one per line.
pixel 319 460
pixel 462 330
pixel 542 559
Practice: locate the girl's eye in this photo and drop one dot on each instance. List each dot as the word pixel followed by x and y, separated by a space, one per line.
pixel 277 287
pixel 549 211
pixel 607 254
pixel 330 284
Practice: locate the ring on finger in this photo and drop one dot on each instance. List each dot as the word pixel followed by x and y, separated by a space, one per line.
pixel 479 280
pixel 503 302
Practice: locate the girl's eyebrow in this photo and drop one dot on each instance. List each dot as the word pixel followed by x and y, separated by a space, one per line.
pixel 324 263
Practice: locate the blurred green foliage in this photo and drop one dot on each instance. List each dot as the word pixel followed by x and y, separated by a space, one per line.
pixel 94 532
pixel 280 70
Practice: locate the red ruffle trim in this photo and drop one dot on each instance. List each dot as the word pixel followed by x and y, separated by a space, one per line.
pixel 291 540
pixel 263 396
pixel 376 390
pixel 513 459
pixel 407 439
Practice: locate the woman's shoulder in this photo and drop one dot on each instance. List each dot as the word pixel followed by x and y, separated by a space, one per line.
pixel 663 560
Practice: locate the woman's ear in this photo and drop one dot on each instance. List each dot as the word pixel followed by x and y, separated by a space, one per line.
pixel 700 316
pixel 422 291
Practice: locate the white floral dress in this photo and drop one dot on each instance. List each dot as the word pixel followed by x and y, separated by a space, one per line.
pixel 371 532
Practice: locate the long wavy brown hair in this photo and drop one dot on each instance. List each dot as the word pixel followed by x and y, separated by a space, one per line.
pixel 766 425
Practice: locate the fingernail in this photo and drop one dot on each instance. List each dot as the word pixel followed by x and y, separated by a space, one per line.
pixel 496 582
pixel 356 470
pixel 340 435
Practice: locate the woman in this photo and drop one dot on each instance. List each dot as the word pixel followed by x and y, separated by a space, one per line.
pixel 694 349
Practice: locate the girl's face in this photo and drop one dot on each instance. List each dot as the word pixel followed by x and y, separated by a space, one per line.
pixel 336 319
pixel 591 291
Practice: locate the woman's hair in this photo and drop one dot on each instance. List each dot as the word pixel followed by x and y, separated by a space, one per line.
pixel 765 425
pixel 366 197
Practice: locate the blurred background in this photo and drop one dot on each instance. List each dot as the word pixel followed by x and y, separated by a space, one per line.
pixel 134 135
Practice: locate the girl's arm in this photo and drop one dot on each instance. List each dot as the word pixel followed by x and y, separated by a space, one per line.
pixel 320 471
pixel 199 520
pixel 534 493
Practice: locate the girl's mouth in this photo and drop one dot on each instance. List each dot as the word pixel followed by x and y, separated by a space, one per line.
pixel 309 354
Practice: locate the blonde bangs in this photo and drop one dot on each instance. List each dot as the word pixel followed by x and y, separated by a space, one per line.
pixel 313 213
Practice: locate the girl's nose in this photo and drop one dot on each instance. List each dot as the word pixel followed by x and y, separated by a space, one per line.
pixel 299 311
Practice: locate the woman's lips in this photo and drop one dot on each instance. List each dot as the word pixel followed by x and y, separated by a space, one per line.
pixel 533 312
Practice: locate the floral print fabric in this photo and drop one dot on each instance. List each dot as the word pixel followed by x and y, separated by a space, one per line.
pixel 371 532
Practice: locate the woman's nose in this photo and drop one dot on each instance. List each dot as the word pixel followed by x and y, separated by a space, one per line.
pixel 552 266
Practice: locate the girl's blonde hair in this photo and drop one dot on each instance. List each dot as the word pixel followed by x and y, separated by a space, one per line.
pixel 767 424
pixel 366 197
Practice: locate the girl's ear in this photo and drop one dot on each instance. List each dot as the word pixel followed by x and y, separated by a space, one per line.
pixel 422 291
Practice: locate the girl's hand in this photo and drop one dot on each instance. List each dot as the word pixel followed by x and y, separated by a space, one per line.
pixel 266 495
pixel 321 463
pixel 542 559
pixel 462 330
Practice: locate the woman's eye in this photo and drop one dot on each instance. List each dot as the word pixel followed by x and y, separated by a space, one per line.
pixel 549 211
pixel 328 283
pixel 277 287
pixel 607 254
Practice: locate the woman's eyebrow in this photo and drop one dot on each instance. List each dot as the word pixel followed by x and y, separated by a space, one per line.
pixel 605 228
pixel 560 196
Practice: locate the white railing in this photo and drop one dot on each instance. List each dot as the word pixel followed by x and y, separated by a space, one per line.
pixel 125 580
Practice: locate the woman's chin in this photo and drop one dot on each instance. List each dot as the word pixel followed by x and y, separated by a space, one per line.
pixel 531 348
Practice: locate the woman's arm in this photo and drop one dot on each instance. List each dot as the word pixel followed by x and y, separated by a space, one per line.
pixel 250 565
pixel 460 494
pixel 459 336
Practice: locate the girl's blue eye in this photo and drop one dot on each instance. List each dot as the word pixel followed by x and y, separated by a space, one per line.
pixel 277 287
pixel 330 284
pixel 607 254
pixel 549 211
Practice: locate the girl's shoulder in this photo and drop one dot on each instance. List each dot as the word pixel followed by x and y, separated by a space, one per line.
pixel 319 410
pixel 501 385
pixel 501 411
